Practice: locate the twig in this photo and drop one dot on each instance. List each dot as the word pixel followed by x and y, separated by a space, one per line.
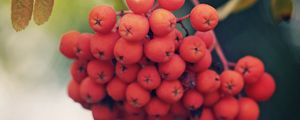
pixel 183 18
pixel 221 55
pixel 225 10
pixel 187 33
pixel 122 12
pixel 195 2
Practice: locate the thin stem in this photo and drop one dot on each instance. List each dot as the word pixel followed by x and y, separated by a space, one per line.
pixel 183 18
pixel 221 55
pixel 187 33
pixel 195 2
pixel 122 12
pixel 155 6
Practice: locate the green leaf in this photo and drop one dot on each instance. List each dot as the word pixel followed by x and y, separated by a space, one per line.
pixel 282 10
pixel 120 5
pixel 244 4
pixel 42 11
pixel 21 12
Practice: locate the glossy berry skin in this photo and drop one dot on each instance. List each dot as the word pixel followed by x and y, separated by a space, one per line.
pixel 167 70
pixel 133 27
pixel 162 22
pixel 102 19
pixel 78 70
pixel 148 77
pixel 211 98
pixel 192 49
pixel 159 51
pixel 208 81
pixel 73 91
pixel 91 92
pixel 204 17
pixel 136 95
pixel 207 114
pixel 170 91
pixel 102 45
pixel 127 73
pixel 83 47
pixel 123 56
pixel 263 89
pixel 140 6
pixel 231 82
pixel 208 37
pixel 202 64
pixel 251 68
pixel 68 43
pixel 157 108
pixel 192 99
pixel 100 71
pixel 103 112
pixel 171 5
pixel 226 109
pixel 116 89
pixel 249 109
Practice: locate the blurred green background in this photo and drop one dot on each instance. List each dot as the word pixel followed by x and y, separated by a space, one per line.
pixel 34 75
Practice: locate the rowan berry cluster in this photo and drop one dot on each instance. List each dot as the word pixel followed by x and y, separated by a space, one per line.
pixel 138 65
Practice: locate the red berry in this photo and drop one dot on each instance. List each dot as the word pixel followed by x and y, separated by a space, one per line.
pixel 162 22
pixel 116 89
pixel 207 114
pixel 171 4
pixel 249 109
pixel 78 70
pixel 73 91
pixel 170 91
pixel 208 81
pixel 226 109
pixel 134 117
pixel 159 50
pixel 127 73
pixel 192 49
pixel 263 89
pixel 91 92
pixel 192 99
pixel 231 82
pixel 102 45
pixel 202 64
pixel 208 38
pixel 204 17
pixel 167 70
pixel 251 68
pixel 68 43
pixel 100 71
pixel 175 36
pixel 211 98
pixel 83 46
pixel 103 112
pixel 136 95
pixel 140 6
pixel 133 27
pixel 157 108
pixel 129 109
pixel 122 54
pixel 148 77
pixel 179 110
pixel 102 19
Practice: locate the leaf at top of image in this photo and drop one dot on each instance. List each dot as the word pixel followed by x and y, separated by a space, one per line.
pixel 282 10
pixel 42 10
pixel 21 12
pixel 244 4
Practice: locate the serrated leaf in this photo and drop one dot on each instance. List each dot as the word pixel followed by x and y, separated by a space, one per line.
pixel 42 11
pixel 282 9
pixel 244 4
pixel 21 12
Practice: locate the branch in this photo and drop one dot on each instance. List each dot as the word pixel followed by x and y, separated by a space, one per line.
pixel 225 10
pixel 182 18
pixel 221 55
pixel 187 33
pixel 195 2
